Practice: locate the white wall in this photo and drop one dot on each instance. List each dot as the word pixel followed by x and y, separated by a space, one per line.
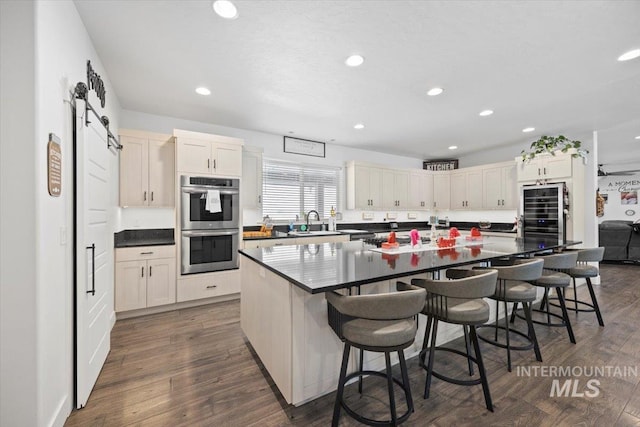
pixel 37 375
pixel 18 334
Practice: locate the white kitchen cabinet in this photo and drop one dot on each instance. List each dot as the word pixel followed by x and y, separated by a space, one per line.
pixel 500 187
pixel 420 190
pixel 252 178
pixel 147 169
pixel 364 186
pixel 199 286
pixel 208 154
pixel 145 277
pixel 441 190
pixel 545 167
pixel 395 185
pixel 466 189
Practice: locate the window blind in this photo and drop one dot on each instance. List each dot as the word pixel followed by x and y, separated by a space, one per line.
pixel 291 189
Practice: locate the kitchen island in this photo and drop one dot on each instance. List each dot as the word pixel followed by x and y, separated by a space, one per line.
pixel 284 311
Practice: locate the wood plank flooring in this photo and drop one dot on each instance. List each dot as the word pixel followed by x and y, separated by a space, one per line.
pixel 193 367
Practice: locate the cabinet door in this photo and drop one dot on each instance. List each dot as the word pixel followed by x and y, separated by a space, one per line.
pixel 134 172
pixel 493 188
pixel 509 187
pixel 227 159
pixel 193 156
pixel 161 281
pixel 474 189
pixel 558 166
pixel 420 190
pixel 458 191
pixel 252 179
pixel 530 171
pixel 401 189
pixel 161 173
pixel 361 187
pixel 441 191
pixel 375 187
pixel 131 285
pixel 388 189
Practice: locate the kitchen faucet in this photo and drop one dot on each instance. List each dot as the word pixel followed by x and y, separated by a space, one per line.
pixel 309 214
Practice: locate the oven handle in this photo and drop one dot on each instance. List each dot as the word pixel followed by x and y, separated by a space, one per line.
pixel 202 190
pixel 208 233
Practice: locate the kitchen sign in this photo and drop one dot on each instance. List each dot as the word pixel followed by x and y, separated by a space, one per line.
pixel 54 166
pixel 440 165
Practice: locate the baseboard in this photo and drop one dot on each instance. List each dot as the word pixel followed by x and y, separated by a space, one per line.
pixel 61 414
pixel 177 306
pixel 112 319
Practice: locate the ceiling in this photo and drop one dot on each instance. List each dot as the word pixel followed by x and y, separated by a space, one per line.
pixel 279 68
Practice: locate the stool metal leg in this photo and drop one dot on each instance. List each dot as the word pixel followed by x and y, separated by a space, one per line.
pixel 361 368
pixel 532 331
pixel 565 315
pixel 506 325
pixel 392 399
pixel 594 301
pixel 405 380
pixel 425 342
pixel 575 295
pixel 341 381
pixel 468 347
pixel 432 352
pixel 513 312
pixel 483 374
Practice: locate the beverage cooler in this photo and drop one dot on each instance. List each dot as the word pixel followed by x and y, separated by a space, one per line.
pixel 543 211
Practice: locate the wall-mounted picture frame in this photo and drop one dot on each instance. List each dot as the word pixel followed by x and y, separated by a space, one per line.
pixel 305 147
pixel 440 165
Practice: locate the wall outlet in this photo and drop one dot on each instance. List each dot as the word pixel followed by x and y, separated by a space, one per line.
pixel 367 215
pixel 392 215
pixel 412 215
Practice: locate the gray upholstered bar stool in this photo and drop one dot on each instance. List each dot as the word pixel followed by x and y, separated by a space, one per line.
pixel 555 276
pixel 383 323
pixel 512 286
pixel 584 271
pixel 459 301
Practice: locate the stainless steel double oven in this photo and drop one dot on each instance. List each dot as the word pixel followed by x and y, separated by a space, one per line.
pixel 210 222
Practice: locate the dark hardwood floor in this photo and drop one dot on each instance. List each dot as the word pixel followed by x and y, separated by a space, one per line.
pixel 193 367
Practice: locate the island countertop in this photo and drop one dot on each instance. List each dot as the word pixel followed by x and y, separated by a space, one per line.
pixel 318 268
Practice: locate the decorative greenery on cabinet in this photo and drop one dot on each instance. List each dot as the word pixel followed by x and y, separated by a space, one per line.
pixel 551 144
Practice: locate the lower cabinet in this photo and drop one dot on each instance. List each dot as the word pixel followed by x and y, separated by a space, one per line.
pixel 145 277
pixel 208 285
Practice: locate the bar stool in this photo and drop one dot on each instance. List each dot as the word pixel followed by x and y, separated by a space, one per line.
pixel 554 276
pixel 458 301
pixel 585 271
pixel 512 286
pixel 383 323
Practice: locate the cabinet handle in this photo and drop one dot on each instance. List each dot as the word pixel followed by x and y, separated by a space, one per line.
pixel 142 272
pixel 212 286
pixel 146 253
pixel 214 163
pixel 93 269
pixel 503 202
pixel 152 196
pixel 538 171
pixel 544 170
pixel 150 269
pixel 259 199
pixel 144 196
pixel 278 244
pixel 209 165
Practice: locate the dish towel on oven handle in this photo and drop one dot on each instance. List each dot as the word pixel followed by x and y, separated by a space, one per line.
pixel 213 204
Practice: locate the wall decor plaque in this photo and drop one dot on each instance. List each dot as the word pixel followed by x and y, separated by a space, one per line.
pixel 304 146
pixel 440 165
pixel 54 166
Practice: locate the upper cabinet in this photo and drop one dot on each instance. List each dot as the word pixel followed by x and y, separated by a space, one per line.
pixel 500 187
pixel 420 190
pixel 252 178
pixel 147 169
pixel 545 167
pixel 395 185
pixel 466 189
pixel 208 154
pixel 441 190
pixel 364 186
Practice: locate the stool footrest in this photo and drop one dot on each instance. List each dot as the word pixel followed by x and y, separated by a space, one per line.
pixel 504 345
pixel 574 301
pixel 442 377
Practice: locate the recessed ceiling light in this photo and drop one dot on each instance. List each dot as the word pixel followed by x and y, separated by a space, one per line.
pixel 203 91
pixel 435 91
pixel 354 60
pixel 358 126
pixel 632 54
pixel 638 137
pixel 453 147
pixel 528 129
pixel 225 9
pixel 485 113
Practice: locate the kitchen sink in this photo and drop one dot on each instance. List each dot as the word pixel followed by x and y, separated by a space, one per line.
pixel 314 233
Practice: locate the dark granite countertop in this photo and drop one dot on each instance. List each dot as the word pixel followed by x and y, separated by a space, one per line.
pixel 324 267
pixel 144 237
